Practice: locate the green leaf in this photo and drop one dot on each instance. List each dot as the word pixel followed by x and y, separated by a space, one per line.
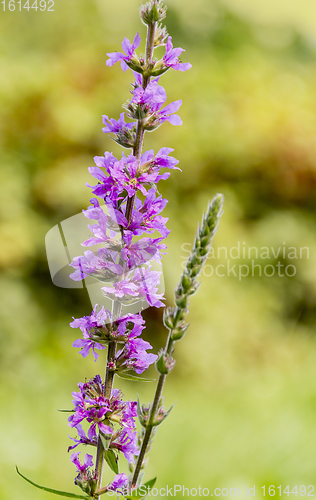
pixel 139 409
pixel 111 460
pixel 50 490
pixel 67 411
pixel 106 439
pixel 146 486
pixel 151 483
pixel 165 416
pixel 129 376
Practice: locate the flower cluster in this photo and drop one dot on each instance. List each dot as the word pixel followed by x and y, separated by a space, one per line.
pixel 91 405
pixel 125 330
pixel 126 214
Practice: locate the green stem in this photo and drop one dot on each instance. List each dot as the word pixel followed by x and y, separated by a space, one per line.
pixel 109 374
pixel 108 385
pixel 140 132
pixel 137 151
pixel 149 429
pixel 161 381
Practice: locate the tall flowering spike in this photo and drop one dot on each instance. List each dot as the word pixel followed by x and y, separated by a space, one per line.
pixel 129 207
pixel 128 187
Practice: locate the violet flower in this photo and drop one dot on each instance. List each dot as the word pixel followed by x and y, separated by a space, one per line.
pixel 87 462
pixel 83 438
pixel 134 356
pixel 92 405
pixel 150 101
pixel 86 478
pixel 171 57
pixel 141 284
pixel 120 481
pixel 100 266
pixel 127 56
pixel 124 133
pixel 126 443
pixel 115 126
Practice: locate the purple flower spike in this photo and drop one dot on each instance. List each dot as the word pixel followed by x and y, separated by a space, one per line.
pixel 129 50
pixel 171 57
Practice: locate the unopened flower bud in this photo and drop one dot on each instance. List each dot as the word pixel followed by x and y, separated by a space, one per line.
pixel 181 301
pixel 186 282
pixel 161 34
pixel 168 317
pixel 179 333
pixel 205 241
pixel 152 12
pixel 165 363
pixel 159 69
pixel 135 64
pixel 203 251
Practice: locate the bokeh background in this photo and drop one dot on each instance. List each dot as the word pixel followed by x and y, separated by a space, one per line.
pixel 245 379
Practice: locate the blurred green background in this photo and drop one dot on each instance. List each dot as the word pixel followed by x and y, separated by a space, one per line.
pixel 245 379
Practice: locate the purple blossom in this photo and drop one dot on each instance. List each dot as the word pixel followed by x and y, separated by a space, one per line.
pixel 83 438
pixel 92 405
pixel 141 283
pixel 116 126
pixel 120 481
pixel 171 57
pixel 89 325
pixel 98 318
pixel 86 477
pixel 167 114
pixel 129 174
pixel 133 356
pixel 100 266
pixel 145 216
pixel 126 443
pixel 86 345
pixel 153 95
pixel 152 99
pixel 127 56
pixel 105 230
pixel 87 462
pixel 130 326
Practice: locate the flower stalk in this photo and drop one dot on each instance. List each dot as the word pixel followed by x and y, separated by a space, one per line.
pixel 174 318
